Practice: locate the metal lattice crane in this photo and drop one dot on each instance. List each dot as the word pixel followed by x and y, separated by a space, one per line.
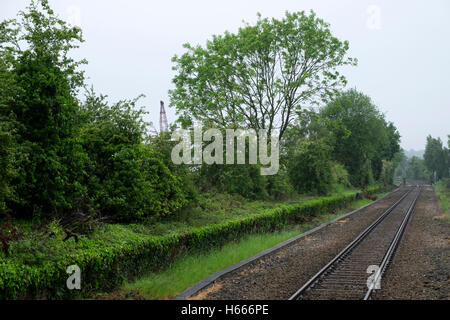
pixel 163 126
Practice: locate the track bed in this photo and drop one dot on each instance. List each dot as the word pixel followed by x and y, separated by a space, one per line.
pixel 279 274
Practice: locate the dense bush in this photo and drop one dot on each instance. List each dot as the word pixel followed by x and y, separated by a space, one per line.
pixel 137 185
pixel 340 175
pixel 38 111
pixel 387 173
pixel 7 166
pixel 8 143
pixel 126 179
pixel 162 144
pixel 279 186
pixel 310 167
pixel 105 264
pixel 362 138
pixel 243 179
pixel 60 156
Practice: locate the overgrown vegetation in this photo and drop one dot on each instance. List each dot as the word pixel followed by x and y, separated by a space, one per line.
pixel 189 269
pixel 442 189
pixel 72 167
pixel 111 254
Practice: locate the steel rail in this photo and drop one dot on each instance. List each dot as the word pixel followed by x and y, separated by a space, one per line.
pixel 393 247
pixel 349 248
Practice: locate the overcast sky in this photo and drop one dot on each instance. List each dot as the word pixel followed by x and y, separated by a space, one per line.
pixel 403 49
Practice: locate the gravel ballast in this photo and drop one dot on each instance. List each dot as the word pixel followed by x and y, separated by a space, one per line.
pixel 421 267
pixel 279 274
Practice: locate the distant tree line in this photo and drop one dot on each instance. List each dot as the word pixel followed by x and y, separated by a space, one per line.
pixel 434 166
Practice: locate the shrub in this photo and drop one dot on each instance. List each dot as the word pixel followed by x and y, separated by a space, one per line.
pixel 106 263
pixel 136 185
pixel 340 175
pixel 243 179
pixel 9 233
pixel 127 179
pixel 163 145
pixel 44 105
pixel 279 186
pixel 310 167
pixel 387 173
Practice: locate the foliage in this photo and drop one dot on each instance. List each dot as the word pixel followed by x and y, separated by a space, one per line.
pixel 310 167
pixel 59 156
pixel 44 108
pixel 163 145
pixel 126 178
pixel 260 76
pixel 106 262
pixel 436 158
pixel 244 179
pixel 387 173
pixel 340 175
pixel 416 170
pixel 10 151
pixel 279 186
pixel 8 233
pixel 442 189
pixel 362 137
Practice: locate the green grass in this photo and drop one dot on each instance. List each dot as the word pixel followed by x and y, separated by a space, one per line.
pixel 213 208
pixel 40 249
pixel 187 270
pixel 36 249
pixel 442 190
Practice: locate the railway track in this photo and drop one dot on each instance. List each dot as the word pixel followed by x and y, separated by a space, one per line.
pixel 355 273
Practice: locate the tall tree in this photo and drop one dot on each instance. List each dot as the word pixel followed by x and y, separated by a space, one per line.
pixel 362 137
pixel 8 145
pixel 400 162
pixel 435 157
pixel 45 106
pixel 260 76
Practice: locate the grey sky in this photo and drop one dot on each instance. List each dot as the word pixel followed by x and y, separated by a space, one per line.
pixel 404 60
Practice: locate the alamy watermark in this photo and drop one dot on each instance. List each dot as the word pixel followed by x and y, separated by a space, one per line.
pixel 373 21
pixel 259 150
pixel 374 280
pixel 74 280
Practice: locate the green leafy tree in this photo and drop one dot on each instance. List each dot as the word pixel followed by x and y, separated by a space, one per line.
pixel 387 173
pixel 45 108
pixel 400 162
pixel 310 167
pixel 8 144
pixel 163 145
pixel 260 76
pixel 126 179
pixel 435 157
pixel 362 137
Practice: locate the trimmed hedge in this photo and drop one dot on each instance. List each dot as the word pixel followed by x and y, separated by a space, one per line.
pixel 104 267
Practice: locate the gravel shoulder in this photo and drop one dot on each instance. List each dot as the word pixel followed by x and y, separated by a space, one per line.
pixel 279 274
pixel 421 267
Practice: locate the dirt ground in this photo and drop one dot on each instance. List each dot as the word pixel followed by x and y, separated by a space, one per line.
pixel 421 267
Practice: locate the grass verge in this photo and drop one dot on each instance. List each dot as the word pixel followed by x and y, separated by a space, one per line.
pixel 442 190
pixel 191 268
pixel 36 266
